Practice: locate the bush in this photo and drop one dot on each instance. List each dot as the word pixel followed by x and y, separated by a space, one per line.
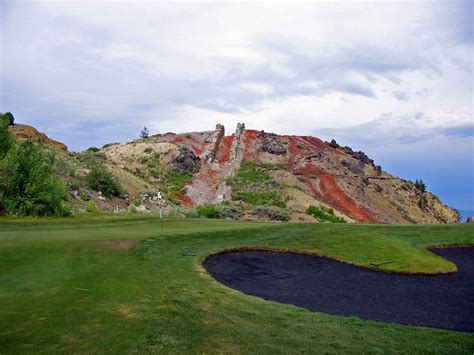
pixel 191 214
pixel 28 184
pixel 84 196
pixel 276 166
pixel 230 211
pixel 108 145
pixel 91 206
pixel 324 214
pixel 420 185
pixel 6 138
pixel 7 118
pixel 208 211
pixel 301 178
pixel 100 179
pixel 458 215
pixel 272 213
pixel 259 198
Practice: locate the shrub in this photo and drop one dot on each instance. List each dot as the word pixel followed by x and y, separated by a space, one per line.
pixel 420 185
pixel 259 198
pixel 7 118
pixel 84 196
pixel 458 215
pixel 28 184
pixel 100 179
pixel 92 149
pixel 301 178
pixel 324 214
pixel 272 213
pixel 191 214
pixel 208 211
pixel 108 145
pixel 230 211
pixel 423 203
pixel 183 148
pixel 6 138
pixel 91 206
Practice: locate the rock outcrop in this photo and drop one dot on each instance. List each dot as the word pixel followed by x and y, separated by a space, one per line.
pixel 22 132
pixel 236 142
pixel 252 168
pixel 271 146
pixel 213 143
pixel 186 162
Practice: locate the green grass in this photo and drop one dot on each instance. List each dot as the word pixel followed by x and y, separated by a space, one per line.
pixel 250 172
pixel 61 290
pixel 324 214
pixel 253 185
pixel 259 198
pixel 174 185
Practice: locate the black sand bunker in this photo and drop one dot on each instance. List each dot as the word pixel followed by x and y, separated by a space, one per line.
pixel 325 285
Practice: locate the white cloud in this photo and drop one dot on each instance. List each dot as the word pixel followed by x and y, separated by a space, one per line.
pixel 289 68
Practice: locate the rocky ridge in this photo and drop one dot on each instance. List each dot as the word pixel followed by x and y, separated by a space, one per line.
pixel 252 170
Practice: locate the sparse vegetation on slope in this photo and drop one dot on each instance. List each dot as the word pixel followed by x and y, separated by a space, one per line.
pixel 193 169
pixel 100 179
pixel 324 214
pixel 253 185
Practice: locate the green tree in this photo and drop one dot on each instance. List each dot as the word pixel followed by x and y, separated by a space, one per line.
pixel 100 179
pixel 7 118
pixel 6 138
pixel 420 185
pixel 28 184
pixel 144 133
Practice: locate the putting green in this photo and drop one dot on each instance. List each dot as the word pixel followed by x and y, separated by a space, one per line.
pixel 63 290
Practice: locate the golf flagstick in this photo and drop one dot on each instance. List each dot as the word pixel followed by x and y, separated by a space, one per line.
pixel 161 218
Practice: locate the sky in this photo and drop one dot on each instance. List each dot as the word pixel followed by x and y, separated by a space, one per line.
pixel 394 79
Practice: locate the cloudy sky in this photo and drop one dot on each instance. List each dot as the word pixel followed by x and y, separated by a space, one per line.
pixel 394 79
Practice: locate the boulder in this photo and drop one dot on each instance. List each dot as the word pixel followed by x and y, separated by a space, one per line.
pixel 142 209
pixel 186 162
pixel 334 144
pixel 273 147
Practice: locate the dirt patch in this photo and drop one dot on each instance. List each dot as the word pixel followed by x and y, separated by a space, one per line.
pixel 118 244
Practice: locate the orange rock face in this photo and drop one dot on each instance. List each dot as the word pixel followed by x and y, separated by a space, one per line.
pixel 22 132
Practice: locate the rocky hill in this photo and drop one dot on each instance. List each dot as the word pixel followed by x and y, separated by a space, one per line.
pixel 22 132
pixel 255 174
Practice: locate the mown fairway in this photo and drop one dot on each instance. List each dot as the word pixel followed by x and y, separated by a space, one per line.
pixel 62 289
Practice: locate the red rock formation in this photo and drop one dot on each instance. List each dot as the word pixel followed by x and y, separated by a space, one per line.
pixel 22 132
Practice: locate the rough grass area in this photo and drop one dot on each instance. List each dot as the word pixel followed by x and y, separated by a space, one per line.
pixel 252 184
pixel 63 290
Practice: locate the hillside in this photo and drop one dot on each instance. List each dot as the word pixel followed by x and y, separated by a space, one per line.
pixel 250 175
